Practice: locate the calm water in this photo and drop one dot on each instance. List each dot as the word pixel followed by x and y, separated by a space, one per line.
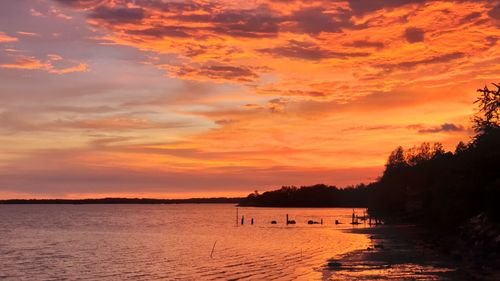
pixel 170 242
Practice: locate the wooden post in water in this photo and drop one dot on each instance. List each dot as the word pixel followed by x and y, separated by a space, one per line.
pixel 237 216
pixel 213 248
pixel 251 221
pixel 242 220
pixel 287 219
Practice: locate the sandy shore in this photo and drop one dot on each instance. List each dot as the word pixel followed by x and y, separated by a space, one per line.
pixel 393 255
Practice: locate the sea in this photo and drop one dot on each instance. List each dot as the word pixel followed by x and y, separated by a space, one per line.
pixel 172 242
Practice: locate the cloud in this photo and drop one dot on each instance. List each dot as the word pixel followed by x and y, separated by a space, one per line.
pixel 118 15
pixel 277 105
pixel 24 33
pixel 32 63
pixel 196 95
pixel 228 72
pixel 35 13
pixel 366 44
pixel 6 38
pixel 57 13
pixel 309 51
pixel 118 123
pixel 14 122
pixel 363 6
pixel 216 72
pixel 495 12
pixel 81 180
pixel 25 62
pixel 429 60
pixel 83 121
pixel 414 35
pixel 446 127
pixel 470 17
pixel 199 35
pixel 162 31
pixel 85 4
pixel 316 20
pixel 315 94
pixel 81 67
pixel 251 24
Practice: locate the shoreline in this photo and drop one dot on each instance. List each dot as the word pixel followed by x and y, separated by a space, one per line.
pixel 396 253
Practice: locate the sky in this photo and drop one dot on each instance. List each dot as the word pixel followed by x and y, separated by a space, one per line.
pixel 198 98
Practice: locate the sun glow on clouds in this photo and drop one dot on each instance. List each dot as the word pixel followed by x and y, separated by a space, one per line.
pixel 206 97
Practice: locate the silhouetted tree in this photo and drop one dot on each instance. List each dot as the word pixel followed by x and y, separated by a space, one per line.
pixel 438 150
pixel 461 147
pixel 396 159
pixel 487 117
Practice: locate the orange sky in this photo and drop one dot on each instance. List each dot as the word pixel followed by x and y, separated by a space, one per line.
pixel 208 98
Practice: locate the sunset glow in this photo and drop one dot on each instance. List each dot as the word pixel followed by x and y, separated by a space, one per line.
pixel 203 98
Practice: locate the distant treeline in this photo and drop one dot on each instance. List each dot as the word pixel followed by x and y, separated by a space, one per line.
pixel 319 195
pixel 124 201
pixel 423 183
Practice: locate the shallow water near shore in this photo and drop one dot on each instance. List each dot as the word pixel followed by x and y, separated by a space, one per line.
pixel 397 253
pixel 173 242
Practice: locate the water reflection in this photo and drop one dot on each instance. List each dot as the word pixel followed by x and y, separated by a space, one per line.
pixel 173 242
pixel 169 241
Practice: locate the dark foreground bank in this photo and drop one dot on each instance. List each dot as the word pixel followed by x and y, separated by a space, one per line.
pixel 402 252
pixel 395 254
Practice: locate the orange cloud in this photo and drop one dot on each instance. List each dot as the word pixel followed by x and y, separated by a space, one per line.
pixel 82 67
pixel 23 62
pixel 32 63
pixel 257 94
pixel 6 38
pixel 301 44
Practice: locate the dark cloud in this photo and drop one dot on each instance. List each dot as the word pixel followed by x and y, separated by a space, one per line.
pixel 370 128
pixel 277 105
pixel 245 23
pixel 495 12
pixel 218 72
pixel 492 40
pixel 259 22
pixel 117 15
pixel 366 6
pixel 229 72
pixel 309 51
pixel 161 31
pixel 470 17
pixel 414 35
pixel 446 127
pixel 255 27
pixel 366 44
pixel 224 122
pixel 312 93
pixel 81 3
pixel 173 7
pixel 431 60
pixel 316 20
